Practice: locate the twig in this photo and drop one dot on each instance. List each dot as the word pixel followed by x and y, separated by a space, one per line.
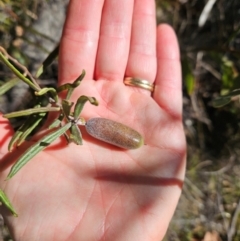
pixel 194 188
pixel 232 228
pixel 223 169
pixel 26 73
pixel 206 12
pixel 220 205
pixel 210 69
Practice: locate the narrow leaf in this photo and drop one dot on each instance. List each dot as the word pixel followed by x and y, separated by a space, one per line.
pixel 45 90
pixel 70 87
pixel 4 199
pixel 188 76
pixel 75 135
pixel 234 93
pixel 25 129
pixel 36 148
pixel 30 111
pixel 221 101
pixel 225 99
pixel 66 105
pixel 80 104
pixel 56 123
pixel 15 139
pixel 18 134
pixel 75 84
pixel 50 58
pixel 17 73
pixel 35 122
pixel 8 85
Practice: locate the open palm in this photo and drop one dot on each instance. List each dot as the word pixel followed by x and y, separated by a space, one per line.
pixel 97 191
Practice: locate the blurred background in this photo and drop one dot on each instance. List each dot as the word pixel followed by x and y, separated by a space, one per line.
pixel 209 38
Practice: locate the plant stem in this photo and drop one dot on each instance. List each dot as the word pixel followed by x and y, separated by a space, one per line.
pixel 32 83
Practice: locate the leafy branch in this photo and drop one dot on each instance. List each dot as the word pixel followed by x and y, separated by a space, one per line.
pixel 66 121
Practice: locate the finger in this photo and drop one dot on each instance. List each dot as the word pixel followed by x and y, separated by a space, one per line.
pixel 168 85
pixel 142 60
pixel 80 39
pixel 114 39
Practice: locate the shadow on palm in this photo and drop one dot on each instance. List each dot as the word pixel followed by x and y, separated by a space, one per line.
pixel 135 109
pixel 98 185
pixel 149 163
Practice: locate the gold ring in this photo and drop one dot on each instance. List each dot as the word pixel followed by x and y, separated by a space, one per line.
pixel 136 82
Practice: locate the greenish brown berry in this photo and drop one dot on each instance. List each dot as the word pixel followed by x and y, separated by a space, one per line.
pixel 114 133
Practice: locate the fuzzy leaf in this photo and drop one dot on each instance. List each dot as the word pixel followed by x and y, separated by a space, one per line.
pixel 80 104
pixel 30 111
pixel 15 137
pixel 25 129
pixel 56 123
pixel 70 87
pixel 4 199
pixel 66 105
pixel 17 73
pixel 36 119
pixel 36 148
pixel 75 135
pixel 45 90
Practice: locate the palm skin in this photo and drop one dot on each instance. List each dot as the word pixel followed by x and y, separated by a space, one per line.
pixel 97 191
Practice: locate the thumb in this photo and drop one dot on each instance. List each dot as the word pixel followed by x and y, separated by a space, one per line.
pixel 6 132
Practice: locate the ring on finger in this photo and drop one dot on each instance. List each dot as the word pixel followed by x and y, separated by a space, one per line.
pixel 137 82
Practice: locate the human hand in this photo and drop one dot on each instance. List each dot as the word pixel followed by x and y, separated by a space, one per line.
pixel 97 191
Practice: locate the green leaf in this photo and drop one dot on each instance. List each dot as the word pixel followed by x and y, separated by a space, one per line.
pixel 45 90
pixel 4 199
pixel 190 83
pixel 188 76
pixel 66 105
pixel 16 137
pixel 75 135
pixel 225 99
pixel 25 129
pixel 50 58
pixel 228 72
pixel 18 74
pixel 36 148
pixel 36 119
pixel 57 122
pixel 30 111
pixel 70 87
pixel 234 93
pixel 8 85
pixel 221 101
pixel 80 104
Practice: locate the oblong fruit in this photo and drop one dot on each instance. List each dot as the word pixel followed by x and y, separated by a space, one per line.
pixel 114 133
